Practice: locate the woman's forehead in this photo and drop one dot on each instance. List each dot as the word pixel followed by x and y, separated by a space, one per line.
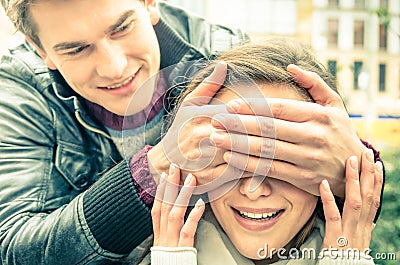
pixel 253 90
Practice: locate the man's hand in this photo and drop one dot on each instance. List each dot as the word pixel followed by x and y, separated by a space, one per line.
pixel 187 143
pixel 311 141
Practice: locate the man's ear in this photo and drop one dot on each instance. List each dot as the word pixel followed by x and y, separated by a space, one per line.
pixel 153 10
pixel 42 54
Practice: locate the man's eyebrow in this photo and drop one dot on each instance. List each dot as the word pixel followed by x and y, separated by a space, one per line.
pixel 121 20
pixel 70 45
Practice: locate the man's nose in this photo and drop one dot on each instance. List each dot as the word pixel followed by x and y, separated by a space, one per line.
pixel 111 60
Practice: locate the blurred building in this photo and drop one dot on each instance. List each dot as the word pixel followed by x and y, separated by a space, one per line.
pixel 359 41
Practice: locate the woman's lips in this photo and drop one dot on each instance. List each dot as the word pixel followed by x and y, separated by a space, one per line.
pixel 257 219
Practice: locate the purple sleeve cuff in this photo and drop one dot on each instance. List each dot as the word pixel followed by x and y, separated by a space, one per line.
pixel 142 177
pixel 376 152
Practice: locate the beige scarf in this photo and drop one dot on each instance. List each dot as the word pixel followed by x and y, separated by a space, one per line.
pixel 214 246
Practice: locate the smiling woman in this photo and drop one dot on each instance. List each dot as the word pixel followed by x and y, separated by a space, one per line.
pixel 274 221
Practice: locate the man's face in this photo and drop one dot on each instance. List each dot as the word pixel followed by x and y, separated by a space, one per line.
pixel 105 49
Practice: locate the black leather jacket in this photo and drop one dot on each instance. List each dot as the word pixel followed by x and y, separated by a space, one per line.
pixel 66 194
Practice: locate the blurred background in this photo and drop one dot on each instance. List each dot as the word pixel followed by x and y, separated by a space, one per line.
pixel 359 42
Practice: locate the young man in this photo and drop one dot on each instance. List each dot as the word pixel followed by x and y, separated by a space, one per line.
pixel 67 196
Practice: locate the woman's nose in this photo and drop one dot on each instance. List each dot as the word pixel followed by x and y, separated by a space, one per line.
pixel 252 191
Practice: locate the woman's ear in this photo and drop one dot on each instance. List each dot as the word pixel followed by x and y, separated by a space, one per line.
pixel 42 54
pixel 153 10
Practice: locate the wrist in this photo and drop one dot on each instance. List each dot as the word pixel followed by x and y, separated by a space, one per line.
pixel 157 161
pixel 142 177
pixel 377 155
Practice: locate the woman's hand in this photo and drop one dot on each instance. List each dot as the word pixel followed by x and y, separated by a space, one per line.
pixel 168 212
pixel 354 228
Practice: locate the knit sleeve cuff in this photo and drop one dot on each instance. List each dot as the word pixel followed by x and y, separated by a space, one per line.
pixel 377 158
pixel 376 152
pixel 116 216
pixel 173 256
pixel 142 178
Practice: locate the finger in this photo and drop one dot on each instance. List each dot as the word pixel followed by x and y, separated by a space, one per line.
pixel 256 126
pixel 186 238
pixel 333 221
pixel 170 195
pixel 172 185
pixel 316 86
pixel 283 109
pixel 282 170
pixel 221 175
pixel 207 89
pixel 156 209
pixel 177 214
pixel 378 184
pixel 258 147
pixel 257 165
pixel 353 202
pixel 367 179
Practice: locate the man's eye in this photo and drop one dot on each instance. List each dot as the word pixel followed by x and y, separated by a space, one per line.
pixel 76 51
pixel 123 29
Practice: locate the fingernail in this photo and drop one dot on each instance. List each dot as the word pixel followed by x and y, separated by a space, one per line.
pixel 188 179
pixel 199 203
pixel 227 157
pixel 233 106
pixel 293 66
pixel 379 166
pixel 370 156
pixel 172 168
pixel 325 184
pixel 217 138
pixel 353 162
pixel 163 178
pixel 218 121
pixel 212 76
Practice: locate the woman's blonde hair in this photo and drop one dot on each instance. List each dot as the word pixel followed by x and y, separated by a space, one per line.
pixel 266 62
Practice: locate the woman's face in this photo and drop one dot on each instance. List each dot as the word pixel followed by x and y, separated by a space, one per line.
pixel 271 215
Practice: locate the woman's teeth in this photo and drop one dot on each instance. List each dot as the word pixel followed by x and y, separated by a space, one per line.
pixel 259 216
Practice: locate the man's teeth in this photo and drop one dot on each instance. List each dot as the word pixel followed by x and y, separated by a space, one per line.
pixel 120 85
pixel 259 215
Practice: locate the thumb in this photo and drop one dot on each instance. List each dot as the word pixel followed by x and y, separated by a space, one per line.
pixel 316 86
pixel 202 94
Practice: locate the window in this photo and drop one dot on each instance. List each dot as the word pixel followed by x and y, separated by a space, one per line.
pixel 333 2
pixel 333 26
pixel 383 36
pixel 359 4
pixel 332 67
pixel 382 77
pixel 384 3
pixel 356 73
pixel 359 33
